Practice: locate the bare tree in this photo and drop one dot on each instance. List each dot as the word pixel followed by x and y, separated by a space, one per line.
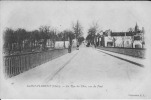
pixel 68 35
pixel 92 33
pixel 8 39
pixel 44 31
pixel 78 30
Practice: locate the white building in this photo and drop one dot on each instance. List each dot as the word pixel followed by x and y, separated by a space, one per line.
pixel 131 39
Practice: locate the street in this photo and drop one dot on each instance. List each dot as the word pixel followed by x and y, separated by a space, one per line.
pixel 87 73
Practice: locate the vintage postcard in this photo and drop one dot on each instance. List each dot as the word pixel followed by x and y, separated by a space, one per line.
pixel 75 50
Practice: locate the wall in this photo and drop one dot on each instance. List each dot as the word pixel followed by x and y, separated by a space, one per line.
pixel 60 44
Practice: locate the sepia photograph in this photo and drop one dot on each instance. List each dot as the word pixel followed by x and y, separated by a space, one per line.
pixel 75 49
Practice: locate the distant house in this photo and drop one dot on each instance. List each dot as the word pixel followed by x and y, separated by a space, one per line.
pixel 131 39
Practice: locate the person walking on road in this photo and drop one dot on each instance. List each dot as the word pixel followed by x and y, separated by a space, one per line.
pixel 77 46
pixel 95 45
pixel 69 48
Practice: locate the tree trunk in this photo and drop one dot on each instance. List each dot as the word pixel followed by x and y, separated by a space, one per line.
pixel 64 44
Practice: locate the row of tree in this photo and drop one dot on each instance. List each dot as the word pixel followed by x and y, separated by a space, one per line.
pixel 21 40
pixel 93 33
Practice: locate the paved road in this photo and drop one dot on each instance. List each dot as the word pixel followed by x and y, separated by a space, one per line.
pixel 84 73
pixel 90 65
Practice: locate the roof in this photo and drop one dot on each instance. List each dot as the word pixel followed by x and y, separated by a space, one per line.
pixel 122 33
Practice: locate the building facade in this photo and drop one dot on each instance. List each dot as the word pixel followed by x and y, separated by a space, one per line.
pixel 130 39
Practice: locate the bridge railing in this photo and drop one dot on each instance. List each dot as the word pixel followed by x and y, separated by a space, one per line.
pixel 16 64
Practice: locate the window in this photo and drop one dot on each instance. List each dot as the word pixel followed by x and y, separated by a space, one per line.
pixel 137 38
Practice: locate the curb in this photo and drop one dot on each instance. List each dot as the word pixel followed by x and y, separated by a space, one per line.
pixel 132 62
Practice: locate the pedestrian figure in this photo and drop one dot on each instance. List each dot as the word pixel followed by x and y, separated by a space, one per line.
pixel 69 48
pixel 77 46
pixel 95 45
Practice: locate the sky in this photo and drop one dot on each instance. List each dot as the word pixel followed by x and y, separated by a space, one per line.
pixel 117 16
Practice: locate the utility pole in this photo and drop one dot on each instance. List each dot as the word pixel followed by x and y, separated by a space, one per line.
pixel 77 33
